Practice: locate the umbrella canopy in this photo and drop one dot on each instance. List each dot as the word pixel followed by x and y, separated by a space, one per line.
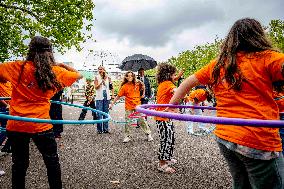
pixel 137 61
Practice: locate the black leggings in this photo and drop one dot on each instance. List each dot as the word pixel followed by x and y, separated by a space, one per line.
pixel 47 146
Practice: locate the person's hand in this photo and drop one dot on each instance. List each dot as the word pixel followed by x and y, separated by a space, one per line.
pixel 143 96
pixel 7 107
pixel 173 110
pixel 110 106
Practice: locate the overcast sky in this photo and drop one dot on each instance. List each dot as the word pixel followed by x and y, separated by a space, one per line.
pixel 164 28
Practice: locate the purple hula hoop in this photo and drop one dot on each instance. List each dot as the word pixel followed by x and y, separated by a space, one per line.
pixel 206 119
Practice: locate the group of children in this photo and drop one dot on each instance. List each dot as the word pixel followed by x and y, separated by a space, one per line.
pixel 241 78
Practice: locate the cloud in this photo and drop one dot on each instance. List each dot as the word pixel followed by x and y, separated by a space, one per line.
pixel 157 24
pixel 165 28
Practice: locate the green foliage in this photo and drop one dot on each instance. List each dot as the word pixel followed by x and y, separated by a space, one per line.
pixel 276 33
pixel 193 60
pixel 66 22
pixel 151 74
pixel 116 86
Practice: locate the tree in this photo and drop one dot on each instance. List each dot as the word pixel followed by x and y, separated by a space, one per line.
pixel 193 60
pixel 66 22
pixel 276 33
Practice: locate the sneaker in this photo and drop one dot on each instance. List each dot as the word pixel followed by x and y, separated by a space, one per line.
pixel 126 139
pixel 150 138
pixel 201 132
pixel 2 172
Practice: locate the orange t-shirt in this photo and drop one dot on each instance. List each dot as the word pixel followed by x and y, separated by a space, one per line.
pixel 132 95
pixel 199 94
pixel 280 102
pixel 5 90
pixel 27 99
pixel 165 92
pixel 254 101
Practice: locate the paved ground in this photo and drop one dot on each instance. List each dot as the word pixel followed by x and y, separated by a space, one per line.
pixel 89 160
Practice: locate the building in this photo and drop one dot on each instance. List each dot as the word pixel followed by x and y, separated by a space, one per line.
pixel 107 59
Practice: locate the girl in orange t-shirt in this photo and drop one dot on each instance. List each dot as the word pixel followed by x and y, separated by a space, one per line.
pixel 34 82
pixel 195 98
pixel 166 74
pixel 241 79
pixel 130 88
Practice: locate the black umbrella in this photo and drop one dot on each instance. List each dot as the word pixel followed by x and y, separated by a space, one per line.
pixel 137 61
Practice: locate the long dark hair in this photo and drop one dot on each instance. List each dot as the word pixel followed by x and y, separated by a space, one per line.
pixel 125 76
pixel 246 35
pixel 40 53
pixel 165 72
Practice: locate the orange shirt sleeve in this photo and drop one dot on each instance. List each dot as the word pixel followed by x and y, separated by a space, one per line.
pixel 204 74
pixel 121 91
pixel 10 71
pixel 65 77
pixel 274 65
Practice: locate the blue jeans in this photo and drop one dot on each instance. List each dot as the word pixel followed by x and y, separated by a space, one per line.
pixel 249 173
pixel 102 105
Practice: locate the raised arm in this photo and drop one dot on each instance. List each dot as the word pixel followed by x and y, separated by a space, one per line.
pixel 69 68
pixel 184 89
pixel 179 74
pixel 97 84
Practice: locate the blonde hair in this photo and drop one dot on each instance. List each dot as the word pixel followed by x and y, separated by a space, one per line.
pixel 104 74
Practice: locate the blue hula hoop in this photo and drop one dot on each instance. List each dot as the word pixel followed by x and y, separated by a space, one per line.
pixel 5 98
pixel 279 98
pixel 36 120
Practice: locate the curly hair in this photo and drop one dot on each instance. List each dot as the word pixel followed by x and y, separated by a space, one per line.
pixel 165 72
pixel 40 53
pixel 246 35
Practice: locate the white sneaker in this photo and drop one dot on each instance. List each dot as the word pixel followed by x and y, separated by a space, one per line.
pixel 2 173
pixel 150 138
pixel 126 139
